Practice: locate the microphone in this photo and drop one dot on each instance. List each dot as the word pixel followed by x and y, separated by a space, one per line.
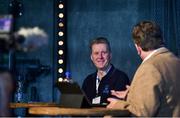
pixel 30 39
pixel 26 39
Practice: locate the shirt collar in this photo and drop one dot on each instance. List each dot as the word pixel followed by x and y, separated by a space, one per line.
pixel 107 70
pixel 150 55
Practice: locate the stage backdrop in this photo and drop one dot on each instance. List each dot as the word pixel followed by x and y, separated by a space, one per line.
pixel 113 19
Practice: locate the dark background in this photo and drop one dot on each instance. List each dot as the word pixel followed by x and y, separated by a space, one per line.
pixel 87 19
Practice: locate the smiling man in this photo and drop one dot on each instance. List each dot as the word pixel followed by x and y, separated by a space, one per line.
pixel 97 86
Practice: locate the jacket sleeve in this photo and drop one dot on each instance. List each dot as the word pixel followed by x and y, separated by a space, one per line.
pixel 145 92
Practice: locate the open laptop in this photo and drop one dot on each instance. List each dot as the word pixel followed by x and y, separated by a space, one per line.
pixel 73 96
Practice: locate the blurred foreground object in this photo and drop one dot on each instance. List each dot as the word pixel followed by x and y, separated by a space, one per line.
pixel 26 39
pixel 6 90
pixel 33 38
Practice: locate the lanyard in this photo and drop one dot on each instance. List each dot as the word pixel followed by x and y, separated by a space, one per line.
pixel 97 85
pixel 98 80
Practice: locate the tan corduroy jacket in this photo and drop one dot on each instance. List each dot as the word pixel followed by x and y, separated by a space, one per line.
pixel 155 88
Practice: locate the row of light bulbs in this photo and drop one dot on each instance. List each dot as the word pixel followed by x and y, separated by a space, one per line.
pixel 60 42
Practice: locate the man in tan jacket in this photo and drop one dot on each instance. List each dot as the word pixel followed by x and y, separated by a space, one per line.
pixel 155 88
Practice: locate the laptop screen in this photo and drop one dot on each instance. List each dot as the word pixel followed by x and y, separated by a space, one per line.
pixel 72 95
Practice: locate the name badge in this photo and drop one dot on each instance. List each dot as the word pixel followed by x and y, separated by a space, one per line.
pixel 96 100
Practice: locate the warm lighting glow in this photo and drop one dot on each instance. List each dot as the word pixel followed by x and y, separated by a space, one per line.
pixel 61 6
pixel 60 70
pixel 60 61
pixel 60 52
pixel 61 34
pixel 60 79
pixel 61 15
pixel 60 43
pixel 61 24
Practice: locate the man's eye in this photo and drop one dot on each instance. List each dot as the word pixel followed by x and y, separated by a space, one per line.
pixel 104 52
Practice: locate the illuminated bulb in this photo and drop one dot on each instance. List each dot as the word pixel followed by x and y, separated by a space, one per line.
pixel 61 33
pixel 20 14
pixel 60 70
pixel 61 15
pixel 61 24
pixel 60 61
pixel 60 42
pixel 60 79
pixel 61 6
pixel 60 52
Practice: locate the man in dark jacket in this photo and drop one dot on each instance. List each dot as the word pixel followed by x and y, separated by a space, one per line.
pixel 97 86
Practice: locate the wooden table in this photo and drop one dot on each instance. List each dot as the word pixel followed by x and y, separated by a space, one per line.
pixel 59 111
pixel 33 104
pixel 53 109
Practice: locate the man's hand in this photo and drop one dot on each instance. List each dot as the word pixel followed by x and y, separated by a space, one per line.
pixel 121 94
pixel 112 103
pixel 117 104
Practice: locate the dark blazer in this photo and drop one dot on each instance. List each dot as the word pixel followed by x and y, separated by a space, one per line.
pixel 113 80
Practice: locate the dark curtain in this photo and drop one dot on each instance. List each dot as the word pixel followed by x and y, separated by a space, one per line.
pixel 167 14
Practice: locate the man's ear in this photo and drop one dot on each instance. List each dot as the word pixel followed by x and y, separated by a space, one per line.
pixel 110 56
pixel 139 49
pixel 91 57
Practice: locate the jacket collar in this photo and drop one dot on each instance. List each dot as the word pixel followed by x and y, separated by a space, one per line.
pixel 157 52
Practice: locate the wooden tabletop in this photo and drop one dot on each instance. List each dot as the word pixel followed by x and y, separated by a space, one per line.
pixel 53 109
pixel 32 104
pixel 56 111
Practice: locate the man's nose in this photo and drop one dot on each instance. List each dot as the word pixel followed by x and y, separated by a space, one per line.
pixel 100 55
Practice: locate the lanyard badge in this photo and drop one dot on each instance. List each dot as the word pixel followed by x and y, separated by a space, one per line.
pixel 97 99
